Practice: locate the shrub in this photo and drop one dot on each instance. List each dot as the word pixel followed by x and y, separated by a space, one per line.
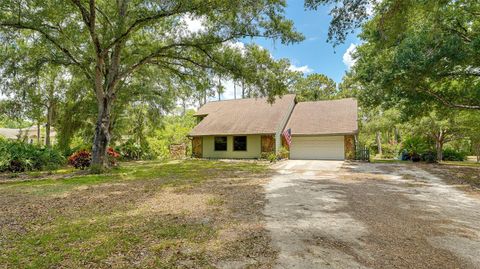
pixel 283 153
pixel 83 158
pixel 112 156
pixel 453 155
pixel 429 157
pixel 272 157
pixel 134 151
pixel 390 151
pixel 415 146
pixel 269 156
pixel 80 159
pixel 17 156
pixel 404 155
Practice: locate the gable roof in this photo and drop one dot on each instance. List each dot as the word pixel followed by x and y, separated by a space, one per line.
pixel 243 116
pixel 324 117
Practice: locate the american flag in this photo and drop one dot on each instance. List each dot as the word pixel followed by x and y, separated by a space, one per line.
pixel 288 136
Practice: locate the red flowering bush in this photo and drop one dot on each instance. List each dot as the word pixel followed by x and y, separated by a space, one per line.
pixel 83 158
pixel 80 159
pixel 112 156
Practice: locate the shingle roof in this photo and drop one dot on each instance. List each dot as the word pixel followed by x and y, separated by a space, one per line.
pixel 324 117
pixel 243 116
pixel 9 133
pixel 26 132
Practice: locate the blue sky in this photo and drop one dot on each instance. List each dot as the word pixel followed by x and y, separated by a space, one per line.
pixel 314 52
pixel 313 55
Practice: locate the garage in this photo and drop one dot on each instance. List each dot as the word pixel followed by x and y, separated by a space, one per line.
pixel 317 148
pixel 323 130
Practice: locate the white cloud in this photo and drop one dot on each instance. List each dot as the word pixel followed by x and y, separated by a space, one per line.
pixel 348 59
pixel 304 69
pixel 194 25
pixel 236 45
pixel 229 91
pixel 370 10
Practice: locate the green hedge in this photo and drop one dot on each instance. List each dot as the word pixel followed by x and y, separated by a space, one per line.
pixel 17 156
pixel 454 155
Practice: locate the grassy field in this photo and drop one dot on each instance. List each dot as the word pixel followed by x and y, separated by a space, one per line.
pixel 188 214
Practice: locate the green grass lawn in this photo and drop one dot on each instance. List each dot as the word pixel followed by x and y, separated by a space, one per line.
pixel 194 214
pixel 464 163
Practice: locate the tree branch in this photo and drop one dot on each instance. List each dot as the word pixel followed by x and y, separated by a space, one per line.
pixel 89 18
pixel 64 50
pixel 159 51
pixel 139 22
pixel 447 102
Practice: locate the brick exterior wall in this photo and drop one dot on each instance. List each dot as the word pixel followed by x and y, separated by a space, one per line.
pixel 197 147
pixel 178 151
pixel 349 141
pixel 268 143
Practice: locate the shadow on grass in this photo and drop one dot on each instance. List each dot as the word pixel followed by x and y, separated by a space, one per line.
pixel 130 217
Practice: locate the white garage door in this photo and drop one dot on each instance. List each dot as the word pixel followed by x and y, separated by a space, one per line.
pixel 317 148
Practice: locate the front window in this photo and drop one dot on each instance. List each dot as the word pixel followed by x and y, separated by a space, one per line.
pixel 240 143
pixel 220 143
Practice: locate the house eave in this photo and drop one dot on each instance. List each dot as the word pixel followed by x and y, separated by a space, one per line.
pixel 227 134
pixel 325 134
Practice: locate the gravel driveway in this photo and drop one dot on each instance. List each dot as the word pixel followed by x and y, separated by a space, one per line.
pixel 331 214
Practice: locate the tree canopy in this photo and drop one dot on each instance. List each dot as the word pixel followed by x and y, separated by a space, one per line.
pixel 315 87
pixel 422 52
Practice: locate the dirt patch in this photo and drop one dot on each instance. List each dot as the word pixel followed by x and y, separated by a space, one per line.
pixel 40 175
pixel 197 214
pixel 452 174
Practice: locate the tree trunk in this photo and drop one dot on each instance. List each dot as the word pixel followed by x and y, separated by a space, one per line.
pixel 379 143
pixel 234 91
pixel 243 89
pixel 102 134
pixel 439 140
pixel 395 135
pixel 439 148
pixel 38 132
pixel 184 106
pixel 48 125
pixel 477 151
pixel 219 88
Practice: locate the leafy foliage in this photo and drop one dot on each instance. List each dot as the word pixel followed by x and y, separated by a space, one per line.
pixel 83 158
pixel 315 87
pixel 421 52
pixel 347 15
pixel 415 146
pixel 174 131
pixel 134 151
pixel 454 155
pixel 112 156
pixel 80 159
pixel 119 47
pixel 17 156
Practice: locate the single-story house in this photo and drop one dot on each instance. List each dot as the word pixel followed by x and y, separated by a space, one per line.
pixel 247 128
pixel 28 135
